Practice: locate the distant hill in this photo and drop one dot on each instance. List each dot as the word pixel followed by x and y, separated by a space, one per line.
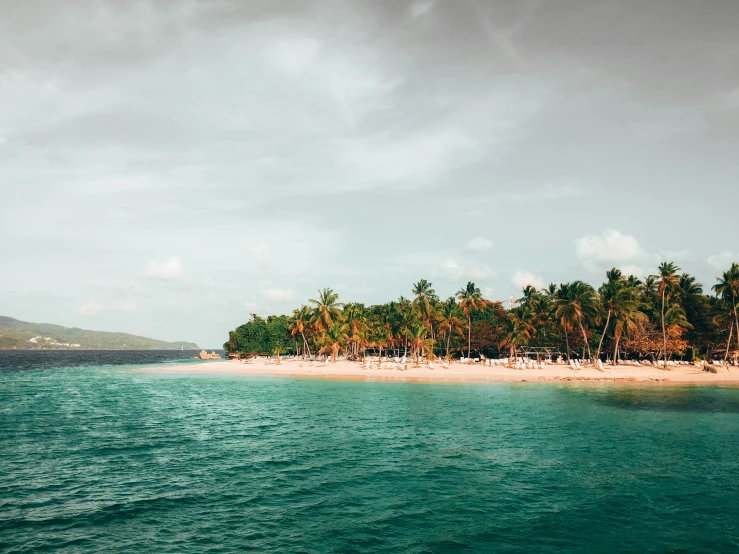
pixel 45 336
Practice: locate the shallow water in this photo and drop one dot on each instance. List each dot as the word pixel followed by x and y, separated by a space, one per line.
pixel 104 459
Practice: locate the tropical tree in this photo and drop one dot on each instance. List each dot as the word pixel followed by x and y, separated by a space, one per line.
pixel 627 316
pixel 577 303
pixel 326 308
pixel 668 282
pixel 298 325
pixel 356 320
pixel 470 299
pixel 424 300
pixel 333 340
pixel 608 295
pixel 517 332
pixel 450 322
pixel 418 341
pixel 727 288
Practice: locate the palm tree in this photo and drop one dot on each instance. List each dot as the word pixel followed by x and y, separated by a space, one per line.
pixel 333 339
pixel 380 339
pixel 627 316
pixel 517 332
pixel 355 318
pixel 470 299
pixel 326 308
pixel 299 323
pixel 667 281
pixel 450 320
pixel 576 304
pixel 424 300
pixel 728 289
pixel 418 341
pixel 402 320
pixel 608 295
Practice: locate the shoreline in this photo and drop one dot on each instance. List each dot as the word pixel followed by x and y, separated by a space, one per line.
pixel 456 373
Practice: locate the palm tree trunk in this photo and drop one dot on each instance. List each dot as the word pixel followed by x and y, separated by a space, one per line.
pixel 469 336
pixel 306 342
pixel 567 342
pixel 448 338
pixel 585 338
pixel 664 331
pixel 615 350
pixel 600 344
pixel 728 343
pixel 736 320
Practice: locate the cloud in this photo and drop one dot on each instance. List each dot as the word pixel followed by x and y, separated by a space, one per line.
pixel 168 269
pixel 124 306
pixel 723 260
pixel 521 279
pixel 487 292
pixel 449 269
pixel 278 295
pixel 596 252
pixel 260 253
pixel 479 244
pixel 418 9
pixel 90 308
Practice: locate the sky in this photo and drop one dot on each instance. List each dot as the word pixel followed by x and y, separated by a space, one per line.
pixel 168 168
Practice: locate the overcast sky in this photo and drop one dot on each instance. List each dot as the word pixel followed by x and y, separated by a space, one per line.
pixel 168 168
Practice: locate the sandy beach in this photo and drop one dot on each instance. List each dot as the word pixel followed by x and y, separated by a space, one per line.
pixel 457 373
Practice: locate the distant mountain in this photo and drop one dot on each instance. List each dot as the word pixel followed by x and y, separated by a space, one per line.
pixel 45 336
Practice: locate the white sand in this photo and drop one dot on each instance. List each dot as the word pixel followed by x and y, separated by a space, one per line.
pixel 457 373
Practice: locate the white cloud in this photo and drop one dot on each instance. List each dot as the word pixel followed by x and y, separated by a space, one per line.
pixel 90 308
pixel 611 248
pixel 450 269
pixel 487 292
pixel 479 244
pixel 125 306
pixel 522 279
pixel 168 269
pixel 278 295
pixel 723 260
pixel 260 252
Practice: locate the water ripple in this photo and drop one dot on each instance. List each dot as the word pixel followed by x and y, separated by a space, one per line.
pixel 100 459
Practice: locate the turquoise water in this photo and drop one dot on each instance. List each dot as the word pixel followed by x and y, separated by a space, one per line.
pixel 103 459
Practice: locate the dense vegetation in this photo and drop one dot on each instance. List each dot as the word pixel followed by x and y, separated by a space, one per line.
pixel 18 334
pixel 665 316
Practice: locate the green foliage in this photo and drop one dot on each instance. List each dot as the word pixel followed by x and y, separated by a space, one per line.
pixel 665 315
pixel 262 336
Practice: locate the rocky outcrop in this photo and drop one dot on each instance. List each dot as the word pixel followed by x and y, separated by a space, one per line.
pixel 212 356
pixel 715 369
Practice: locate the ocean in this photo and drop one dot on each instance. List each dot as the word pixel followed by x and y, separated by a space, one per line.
pixel 96 457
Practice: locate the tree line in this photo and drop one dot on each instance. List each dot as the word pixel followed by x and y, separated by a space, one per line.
pixel 665 316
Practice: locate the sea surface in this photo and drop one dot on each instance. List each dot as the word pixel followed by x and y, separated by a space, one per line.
pixel 101 458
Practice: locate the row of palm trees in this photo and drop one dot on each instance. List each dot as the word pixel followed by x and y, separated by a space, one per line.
pixel 658 316
pixel 623 308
